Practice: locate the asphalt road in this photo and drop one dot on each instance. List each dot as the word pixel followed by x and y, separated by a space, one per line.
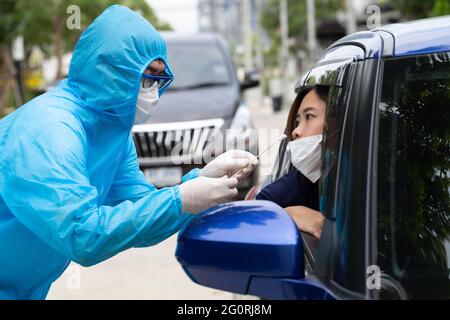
pixel 154 273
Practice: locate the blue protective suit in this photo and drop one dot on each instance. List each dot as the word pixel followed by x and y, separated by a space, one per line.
pixel 70 184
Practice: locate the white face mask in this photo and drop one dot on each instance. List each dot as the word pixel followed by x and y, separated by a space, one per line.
pixel 306 156
pixel 146 102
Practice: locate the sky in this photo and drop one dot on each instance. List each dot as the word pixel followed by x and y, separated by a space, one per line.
pixel 180 14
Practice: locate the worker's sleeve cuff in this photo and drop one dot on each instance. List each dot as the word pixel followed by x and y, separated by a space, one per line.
pixel 194 173
pixel 184 217
pixel 178 201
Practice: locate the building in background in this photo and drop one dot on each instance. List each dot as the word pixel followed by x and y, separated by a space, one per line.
pixel 226 17
pixel 361 16
pixel 223 17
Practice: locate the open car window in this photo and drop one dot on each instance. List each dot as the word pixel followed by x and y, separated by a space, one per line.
pixel 338 77
pixel 282 164
pixel 332 74
pixel 335 70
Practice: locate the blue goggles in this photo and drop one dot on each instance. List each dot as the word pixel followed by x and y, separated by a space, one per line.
pixel 148 80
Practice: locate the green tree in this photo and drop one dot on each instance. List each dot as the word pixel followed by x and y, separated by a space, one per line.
pixel 440 8
pixel 297 21
pixel 418 9
pixel 9 21
pixel 10 28
pixel 43 23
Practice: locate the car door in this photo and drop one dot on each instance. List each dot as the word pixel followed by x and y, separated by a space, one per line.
pixel 336 265
pixel 341 258
pixel 411 226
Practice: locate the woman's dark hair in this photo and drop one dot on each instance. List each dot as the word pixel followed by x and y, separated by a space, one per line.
pixel 322 92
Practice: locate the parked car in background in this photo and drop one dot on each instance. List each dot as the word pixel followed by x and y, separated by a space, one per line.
pixel 385 186
pixel 201 115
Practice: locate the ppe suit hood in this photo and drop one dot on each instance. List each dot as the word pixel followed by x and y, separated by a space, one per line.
pixel 70 184
pixel 109 59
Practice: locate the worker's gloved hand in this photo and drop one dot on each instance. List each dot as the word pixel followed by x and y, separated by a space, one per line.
pixel 202 193
pixel 229 163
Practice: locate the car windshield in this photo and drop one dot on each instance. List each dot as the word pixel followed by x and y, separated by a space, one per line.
pixel 414 177
pixel 197 66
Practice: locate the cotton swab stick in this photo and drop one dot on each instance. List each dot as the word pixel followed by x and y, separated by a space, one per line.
pixel 257 157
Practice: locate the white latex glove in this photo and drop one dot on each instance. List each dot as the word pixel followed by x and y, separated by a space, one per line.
pixel 202 193
pixel 229 163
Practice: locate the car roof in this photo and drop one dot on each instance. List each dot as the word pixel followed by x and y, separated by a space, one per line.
pixel 424 36
pixel 191 38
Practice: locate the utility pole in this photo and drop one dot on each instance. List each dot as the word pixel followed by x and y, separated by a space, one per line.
pixel 18 55
pixel 351 18
pixel 260 49
pixel 311 25
pixel 284 52
pixel 259 58
pixel 248 45
pixel 212 16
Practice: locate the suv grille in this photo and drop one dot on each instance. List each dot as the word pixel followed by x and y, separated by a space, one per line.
pixel 174 142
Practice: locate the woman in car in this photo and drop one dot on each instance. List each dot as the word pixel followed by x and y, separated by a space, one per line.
pixel 298 190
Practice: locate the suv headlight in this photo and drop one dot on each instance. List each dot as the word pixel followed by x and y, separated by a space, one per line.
pixel 241 134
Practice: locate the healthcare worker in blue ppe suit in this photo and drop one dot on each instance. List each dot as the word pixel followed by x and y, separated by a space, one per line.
pixel 70 184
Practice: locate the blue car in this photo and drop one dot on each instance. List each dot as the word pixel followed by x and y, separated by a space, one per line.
pixel 385 186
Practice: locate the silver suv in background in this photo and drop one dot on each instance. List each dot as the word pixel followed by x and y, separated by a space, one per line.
pixel 200 116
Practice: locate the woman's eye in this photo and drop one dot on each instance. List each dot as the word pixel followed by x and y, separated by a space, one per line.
pixel 309 116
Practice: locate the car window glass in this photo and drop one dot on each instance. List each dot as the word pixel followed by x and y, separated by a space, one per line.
pixel 334 79
pixel 334 122
pixel 197 65
pixel 414 177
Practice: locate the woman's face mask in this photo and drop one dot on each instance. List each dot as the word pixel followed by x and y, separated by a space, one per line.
pixel 146 102
pixel 306 156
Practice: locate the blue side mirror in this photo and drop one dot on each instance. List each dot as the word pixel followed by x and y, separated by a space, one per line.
pixel 227 245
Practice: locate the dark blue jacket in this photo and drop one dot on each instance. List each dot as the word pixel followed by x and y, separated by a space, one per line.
pixel 293 189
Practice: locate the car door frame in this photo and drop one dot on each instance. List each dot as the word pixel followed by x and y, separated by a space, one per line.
pixel 358 145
